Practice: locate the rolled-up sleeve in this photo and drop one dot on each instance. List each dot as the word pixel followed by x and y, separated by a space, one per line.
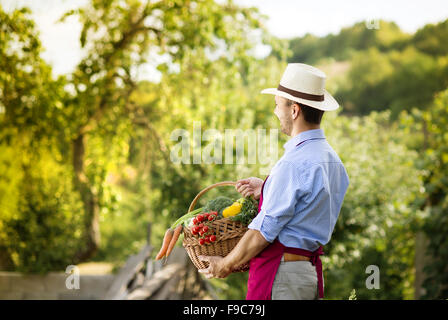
pixel 279 201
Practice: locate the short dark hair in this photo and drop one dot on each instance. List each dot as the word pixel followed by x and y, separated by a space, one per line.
pixel 312 115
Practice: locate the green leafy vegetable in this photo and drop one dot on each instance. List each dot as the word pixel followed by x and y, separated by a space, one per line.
pixel 218 204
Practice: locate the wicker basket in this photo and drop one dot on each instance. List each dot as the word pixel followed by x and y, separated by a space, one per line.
pixel 228 233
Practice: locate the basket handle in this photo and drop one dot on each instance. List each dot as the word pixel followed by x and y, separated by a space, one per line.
pixel 224 183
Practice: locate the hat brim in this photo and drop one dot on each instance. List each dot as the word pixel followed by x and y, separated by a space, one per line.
pixel 328 104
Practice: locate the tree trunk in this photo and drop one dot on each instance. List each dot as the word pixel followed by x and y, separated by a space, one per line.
pixel 89 199
pixel 6 263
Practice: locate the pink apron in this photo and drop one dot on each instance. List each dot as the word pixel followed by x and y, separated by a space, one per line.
pixel 264 266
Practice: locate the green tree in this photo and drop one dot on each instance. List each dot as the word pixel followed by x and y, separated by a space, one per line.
pixel 39 211
pixel 397 80
pixel 378 219
pixel 432 39
pixel 89 116
pixel 310 49
pixel 430 139
pixel 119 36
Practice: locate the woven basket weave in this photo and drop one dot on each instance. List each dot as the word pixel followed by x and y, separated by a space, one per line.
pixel 228 233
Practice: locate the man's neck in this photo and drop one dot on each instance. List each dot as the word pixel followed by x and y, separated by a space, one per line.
pixel 296 131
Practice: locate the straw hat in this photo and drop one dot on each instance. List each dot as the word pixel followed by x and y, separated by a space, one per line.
pixel 304 84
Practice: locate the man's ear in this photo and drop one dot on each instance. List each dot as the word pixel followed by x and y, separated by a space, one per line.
pixel 298 110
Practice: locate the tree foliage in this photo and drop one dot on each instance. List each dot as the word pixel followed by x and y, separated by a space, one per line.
pixel 88 116
pixel 389 69
pixel 378 218
pixel 39 225
pixel 310 49
pixel 428 129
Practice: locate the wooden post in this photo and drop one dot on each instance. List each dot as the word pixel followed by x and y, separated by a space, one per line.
pixel 421 242
pixel 148 240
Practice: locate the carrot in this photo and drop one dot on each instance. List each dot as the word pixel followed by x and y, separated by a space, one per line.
pixel 176 235
pixel 166 241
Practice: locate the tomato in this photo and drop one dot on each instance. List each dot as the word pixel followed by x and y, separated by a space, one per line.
pixel 201 241
pixel 207 239
pixel 211 218
pixel 204 229
pixel 200 217
pixel 201 225
pixel 212 238
pixel 195 221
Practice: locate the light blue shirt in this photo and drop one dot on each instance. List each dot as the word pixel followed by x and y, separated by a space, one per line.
pixel 303 194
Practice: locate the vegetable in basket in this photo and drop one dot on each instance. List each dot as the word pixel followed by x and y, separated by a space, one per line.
pixel 202 228
pixel 165 243
pixel 218 204
pixel 249 209
pixel 243 210
pixel 173 233
pixel 232 210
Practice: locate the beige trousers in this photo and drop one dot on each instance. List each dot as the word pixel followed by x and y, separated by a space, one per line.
pixel 295 280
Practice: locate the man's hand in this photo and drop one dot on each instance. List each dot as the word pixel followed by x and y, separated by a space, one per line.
pixel 216 268
pixel 249 186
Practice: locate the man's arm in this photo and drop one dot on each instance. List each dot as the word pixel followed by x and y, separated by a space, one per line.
pixel 251 244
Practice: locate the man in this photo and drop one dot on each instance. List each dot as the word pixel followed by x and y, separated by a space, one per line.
pixel 300 200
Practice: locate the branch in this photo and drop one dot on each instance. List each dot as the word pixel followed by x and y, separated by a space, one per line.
pixel 132 31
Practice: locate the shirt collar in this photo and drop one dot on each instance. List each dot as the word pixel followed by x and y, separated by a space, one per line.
pixel 305 135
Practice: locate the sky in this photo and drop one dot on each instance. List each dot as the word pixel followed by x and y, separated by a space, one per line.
pixel 286 19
